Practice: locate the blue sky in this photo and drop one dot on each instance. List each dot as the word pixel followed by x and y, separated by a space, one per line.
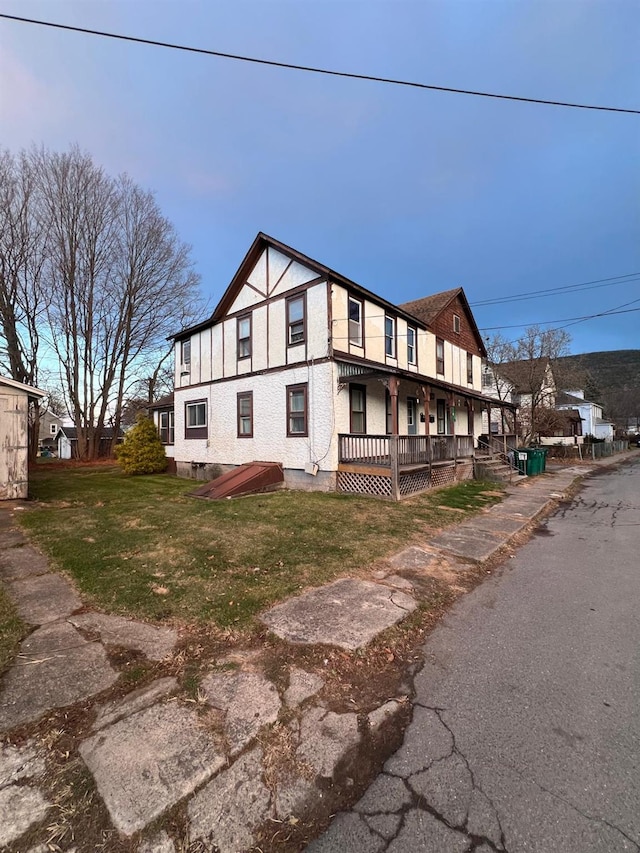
pixel 407 192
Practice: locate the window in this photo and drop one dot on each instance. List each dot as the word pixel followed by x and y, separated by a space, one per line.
pixel 244 337
pixel 297 410
pixel 358 408
pixel 185 352
pixel 487 377
pixel 195 419
pixel 469 369
pixel 439 356
pixel 456 324
pixel 388 412
pixel 441 417
pixel 245 414
pixel 166 428
pixel 296 320
pixel 355 322
pixel 53 428
pixel 390 336
pixel 411 345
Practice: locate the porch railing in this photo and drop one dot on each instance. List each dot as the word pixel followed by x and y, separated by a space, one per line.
pixel 407 449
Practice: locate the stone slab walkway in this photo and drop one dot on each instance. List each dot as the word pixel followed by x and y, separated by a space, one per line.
pixel 153 749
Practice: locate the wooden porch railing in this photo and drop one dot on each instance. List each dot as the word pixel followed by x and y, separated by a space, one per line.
pixel 407 449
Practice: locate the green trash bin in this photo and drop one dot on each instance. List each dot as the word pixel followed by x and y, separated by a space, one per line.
pixel 544 452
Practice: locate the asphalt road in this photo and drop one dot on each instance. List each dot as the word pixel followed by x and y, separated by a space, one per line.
pixel 526 726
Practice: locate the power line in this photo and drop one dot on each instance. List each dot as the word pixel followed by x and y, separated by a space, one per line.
pixel 570 321
pixel 313 69
pixel 585 285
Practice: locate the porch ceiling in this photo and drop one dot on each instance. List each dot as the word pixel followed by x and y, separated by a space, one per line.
pixel 380 372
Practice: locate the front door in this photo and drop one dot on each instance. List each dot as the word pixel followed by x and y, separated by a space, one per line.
pixel 412 416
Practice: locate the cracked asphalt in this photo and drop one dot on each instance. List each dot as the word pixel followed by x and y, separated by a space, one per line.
pixel 525 733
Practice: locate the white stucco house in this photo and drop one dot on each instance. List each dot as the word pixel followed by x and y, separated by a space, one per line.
pixel 593 422
pixel 301 366
pixel 14 437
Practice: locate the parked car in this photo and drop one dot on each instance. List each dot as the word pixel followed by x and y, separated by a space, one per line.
pixel 634 440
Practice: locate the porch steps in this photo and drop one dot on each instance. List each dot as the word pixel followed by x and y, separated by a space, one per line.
pixel 493 469
pixel 244 480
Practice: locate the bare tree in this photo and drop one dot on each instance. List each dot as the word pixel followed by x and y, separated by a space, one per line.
pixel 116 277
pixel 22 296
pixel 527 365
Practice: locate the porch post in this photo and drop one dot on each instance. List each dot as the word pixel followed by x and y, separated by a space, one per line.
pixel 394 384
pixel 425 390
pixel 395 469
pixel 489 427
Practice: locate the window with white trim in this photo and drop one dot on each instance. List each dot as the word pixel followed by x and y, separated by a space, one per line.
pixel 390 336
pixel 469 369
pixel 355 322
pixel 297 414
pixel 245 414
pixel 195 419
pixel 244 337
pixel 440 356
pixel 166 427
pixel 296 320
pixel 411 345
pixel 456 324
pixel 185 352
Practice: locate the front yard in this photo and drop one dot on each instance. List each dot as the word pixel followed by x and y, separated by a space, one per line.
pixel 140 546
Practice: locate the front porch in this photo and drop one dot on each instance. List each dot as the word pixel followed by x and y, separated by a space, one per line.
pixel 398 466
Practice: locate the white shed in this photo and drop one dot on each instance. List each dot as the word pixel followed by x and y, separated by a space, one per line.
pixel 14 437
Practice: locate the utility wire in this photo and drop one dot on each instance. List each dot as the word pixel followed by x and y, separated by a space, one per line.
pixel 585 285
pixel 313 69
pixel 570 321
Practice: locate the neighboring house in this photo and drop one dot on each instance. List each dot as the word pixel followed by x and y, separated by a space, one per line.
pixel 67 442
pixel 162 413
pixel 593 422
pixel 563 427
pixel 14 437
pixel 47 431
pixel 301 366
pixel 528 384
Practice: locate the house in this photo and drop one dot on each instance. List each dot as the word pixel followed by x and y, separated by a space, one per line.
pixel 528 384
pixel 67 442
pixel 14 437
pixel 593 422
pixel 563 427
pixel 301 366
pixel 49 424
pixel 162 414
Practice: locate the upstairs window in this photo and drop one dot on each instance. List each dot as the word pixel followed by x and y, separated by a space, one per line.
pixel 296 324
pixel 411 345
pixel 456 324
pixel 244 337
pixel 297 412
pixel 355 322
pixel 390 336
pixel 185 352
pixel 440 356
pixel 469 369
pixel 487 377
pixel 245 414
pixel 53 428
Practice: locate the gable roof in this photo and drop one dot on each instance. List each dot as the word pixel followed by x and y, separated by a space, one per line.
pixel 165 402
pixel 20 386
pixel 429 308
pixel 522 374
pixel 263 241
pixel 72 433
pixel 564 398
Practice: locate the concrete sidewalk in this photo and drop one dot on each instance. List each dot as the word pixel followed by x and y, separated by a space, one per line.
pixel 153 750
